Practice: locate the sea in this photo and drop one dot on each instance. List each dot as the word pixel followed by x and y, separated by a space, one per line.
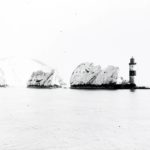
pixel 69 119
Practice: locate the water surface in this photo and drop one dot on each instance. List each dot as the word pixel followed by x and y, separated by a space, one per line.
pixel 65 119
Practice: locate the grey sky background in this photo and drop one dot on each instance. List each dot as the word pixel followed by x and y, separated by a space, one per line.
pixel 64 33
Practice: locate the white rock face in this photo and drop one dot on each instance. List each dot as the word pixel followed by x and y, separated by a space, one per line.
pixel 45 79
pixel 87 73
pixel 107 76
pixel 2 79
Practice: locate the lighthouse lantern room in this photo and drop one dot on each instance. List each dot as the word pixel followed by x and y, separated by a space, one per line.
pixel 132 72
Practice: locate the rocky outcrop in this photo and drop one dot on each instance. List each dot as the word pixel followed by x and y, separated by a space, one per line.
pixel 88 74
pixel 42 79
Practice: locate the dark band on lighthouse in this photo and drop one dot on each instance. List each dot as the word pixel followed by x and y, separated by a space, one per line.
pixel 132 72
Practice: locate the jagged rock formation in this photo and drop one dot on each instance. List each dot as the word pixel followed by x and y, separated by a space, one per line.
pixel 42 79
pixel 88 74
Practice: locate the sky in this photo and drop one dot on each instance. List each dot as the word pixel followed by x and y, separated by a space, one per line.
pixel 65 33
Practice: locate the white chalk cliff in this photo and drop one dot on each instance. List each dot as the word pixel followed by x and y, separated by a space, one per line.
pixel 45 79
pixel 87 73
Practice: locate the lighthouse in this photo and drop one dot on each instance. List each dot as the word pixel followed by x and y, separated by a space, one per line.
pixel 132 72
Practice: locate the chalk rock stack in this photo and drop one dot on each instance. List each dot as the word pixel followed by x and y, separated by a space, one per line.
pixel 42 79
pixel 88 74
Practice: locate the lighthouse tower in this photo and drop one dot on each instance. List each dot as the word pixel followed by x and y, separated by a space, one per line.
pixel 132 72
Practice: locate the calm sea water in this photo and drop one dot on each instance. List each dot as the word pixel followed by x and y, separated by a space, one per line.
pixel 64 119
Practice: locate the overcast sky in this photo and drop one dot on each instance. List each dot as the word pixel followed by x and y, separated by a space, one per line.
pixel 64 33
